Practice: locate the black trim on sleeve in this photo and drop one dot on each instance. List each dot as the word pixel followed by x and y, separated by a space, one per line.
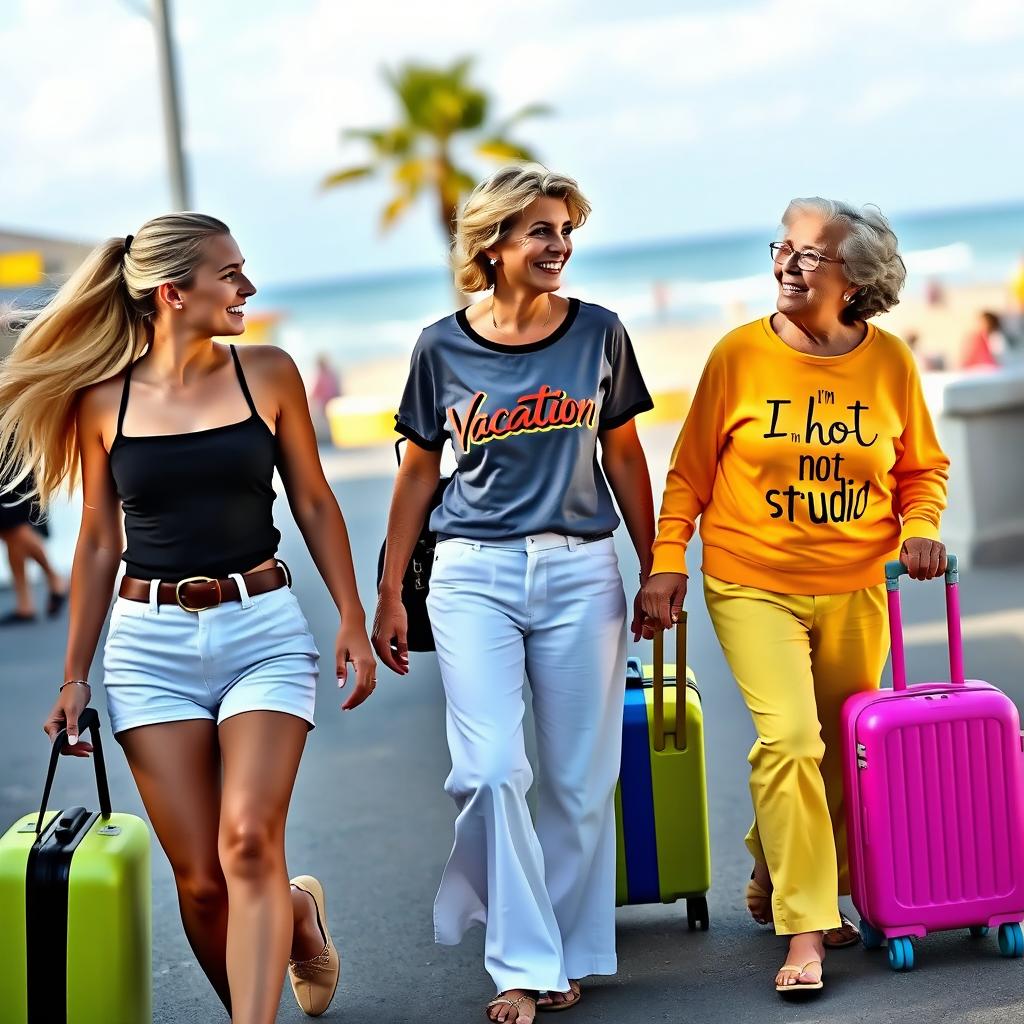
pixel 418 439
pixel 535 346
pixel 645 405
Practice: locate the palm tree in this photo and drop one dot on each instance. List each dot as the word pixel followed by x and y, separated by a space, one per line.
pixel 437 105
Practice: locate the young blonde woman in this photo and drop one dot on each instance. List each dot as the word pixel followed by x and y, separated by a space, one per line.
pixel 209 667
pixel 529 387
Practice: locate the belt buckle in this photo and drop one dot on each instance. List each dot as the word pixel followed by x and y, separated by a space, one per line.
pixel 196 579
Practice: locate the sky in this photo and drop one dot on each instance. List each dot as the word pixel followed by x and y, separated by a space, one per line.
pixel 677 118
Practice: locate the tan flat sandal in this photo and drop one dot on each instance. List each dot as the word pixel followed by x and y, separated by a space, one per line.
pixel 502 999
pixel 800 986
pixel 575 994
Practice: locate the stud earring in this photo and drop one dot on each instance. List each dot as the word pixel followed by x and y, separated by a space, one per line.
pixel 494 262
pixel 846 298
pixel 178 305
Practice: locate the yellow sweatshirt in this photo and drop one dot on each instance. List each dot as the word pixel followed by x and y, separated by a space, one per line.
pixel 801 466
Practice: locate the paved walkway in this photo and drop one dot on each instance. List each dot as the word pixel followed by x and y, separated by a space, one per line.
pixel 369 818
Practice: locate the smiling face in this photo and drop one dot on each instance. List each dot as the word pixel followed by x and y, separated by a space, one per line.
pixel 535 250
pixel 812 294
pixel 212 303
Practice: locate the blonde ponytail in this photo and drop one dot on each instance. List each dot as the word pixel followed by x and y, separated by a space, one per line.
pixel 89 332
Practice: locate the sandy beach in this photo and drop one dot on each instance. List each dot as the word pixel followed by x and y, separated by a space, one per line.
pixel 672 355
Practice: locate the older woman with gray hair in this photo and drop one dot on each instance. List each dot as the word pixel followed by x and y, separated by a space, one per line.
pixel 811 459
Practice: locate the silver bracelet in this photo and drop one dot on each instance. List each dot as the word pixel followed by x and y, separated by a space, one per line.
pixel 76 682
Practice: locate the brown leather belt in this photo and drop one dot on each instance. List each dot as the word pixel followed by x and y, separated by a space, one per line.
pixel 197 593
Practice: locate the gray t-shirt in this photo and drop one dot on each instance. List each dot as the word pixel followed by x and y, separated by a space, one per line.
pixel 524 422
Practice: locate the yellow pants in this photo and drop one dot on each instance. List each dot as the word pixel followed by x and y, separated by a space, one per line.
pixel 796 660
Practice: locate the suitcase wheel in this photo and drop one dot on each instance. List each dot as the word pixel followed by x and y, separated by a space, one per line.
pixel 697 913
pixel 870 935
pixel 901 954
pixel 979 931
pixel 1011 940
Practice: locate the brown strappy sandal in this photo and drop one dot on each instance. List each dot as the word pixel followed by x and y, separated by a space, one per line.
pixel 502 1000
pixel 843 937
pixel 575 994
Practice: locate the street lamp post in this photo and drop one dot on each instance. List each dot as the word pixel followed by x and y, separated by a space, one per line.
pixel 172 109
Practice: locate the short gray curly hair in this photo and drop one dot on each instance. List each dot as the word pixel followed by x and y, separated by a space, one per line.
pixel 870 252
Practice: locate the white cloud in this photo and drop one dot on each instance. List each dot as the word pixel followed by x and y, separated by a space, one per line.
pixel 268 90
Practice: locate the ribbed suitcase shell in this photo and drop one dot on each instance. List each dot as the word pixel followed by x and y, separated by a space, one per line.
pixel 661 811
pixel 75 911
pixel 934 782
pixel 935 809
pixel 108 948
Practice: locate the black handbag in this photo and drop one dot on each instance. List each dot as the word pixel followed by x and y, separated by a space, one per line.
pixel 416 581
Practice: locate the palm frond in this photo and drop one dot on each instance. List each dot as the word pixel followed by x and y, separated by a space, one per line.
pixel 523 114
pixel 503 150
pixel 394 210
pixel 349 174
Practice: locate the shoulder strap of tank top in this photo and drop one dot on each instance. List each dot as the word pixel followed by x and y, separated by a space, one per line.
pixel 124 398
pixel 241 381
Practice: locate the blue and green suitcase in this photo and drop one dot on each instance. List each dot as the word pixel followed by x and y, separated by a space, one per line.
pixel 75 910
pixel 661 802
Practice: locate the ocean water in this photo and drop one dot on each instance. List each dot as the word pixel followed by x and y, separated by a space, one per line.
pixel 357 320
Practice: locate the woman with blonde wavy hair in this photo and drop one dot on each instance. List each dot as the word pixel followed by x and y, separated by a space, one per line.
pixel 208 663
pixel 529 387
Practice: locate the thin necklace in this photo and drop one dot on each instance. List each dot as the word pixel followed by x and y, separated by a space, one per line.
pixel 547 319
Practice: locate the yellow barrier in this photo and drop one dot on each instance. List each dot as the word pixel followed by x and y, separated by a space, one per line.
pixel 360 422
pixel 21 269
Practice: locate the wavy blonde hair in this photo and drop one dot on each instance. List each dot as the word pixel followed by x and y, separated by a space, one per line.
pixel 94 326
pixel 492 207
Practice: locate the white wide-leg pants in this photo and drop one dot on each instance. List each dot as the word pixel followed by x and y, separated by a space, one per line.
pixel 551 609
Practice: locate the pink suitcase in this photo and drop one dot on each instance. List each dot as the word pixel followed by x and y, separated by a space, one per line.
pixel 934 778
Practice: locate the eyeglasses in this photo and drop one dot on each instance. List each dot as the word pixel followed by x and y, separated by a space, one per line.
pixel 807 259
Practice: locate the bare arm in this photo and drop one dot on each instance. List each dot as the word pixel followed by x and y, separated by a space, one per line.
pixel 414 488
pixel 320 522
pixel 625 465
pixel 97 556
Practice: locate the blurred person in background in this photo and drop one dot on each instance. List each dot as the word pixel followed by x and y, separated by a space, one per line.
pixel 532 389
pixel 22 531
pixel 210 670
pixel 811 458
pixel 326 386
pixel 986 345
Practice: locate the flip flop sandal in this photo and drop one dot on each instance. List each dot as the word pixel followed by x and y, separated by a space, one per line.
pixel 757 895
pixel 575 995
pixel 800 986
pixel 845 936
pixel 503 1000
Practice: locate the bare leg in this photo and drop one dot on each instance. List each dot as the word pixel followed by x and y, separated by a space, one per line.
pixel 36 550
pixel 23 603
pixel 177 769
pixel 261 751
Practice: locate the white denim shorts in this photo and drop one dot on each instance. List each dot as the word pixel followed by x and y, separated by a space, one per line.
pixel 164 664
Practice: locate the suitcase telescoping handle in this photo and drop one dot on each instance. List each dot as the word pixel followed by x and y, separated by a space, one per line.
pixel 88 719
pixel 681 687
pixel 893 572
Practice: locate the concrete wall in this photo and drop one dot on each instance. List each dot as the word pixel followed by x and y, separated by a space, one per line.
pixel 980 420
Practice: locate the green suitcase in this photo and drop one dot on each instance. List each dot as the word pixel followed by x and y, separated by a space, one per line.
pixel 661 802
pixel 75 914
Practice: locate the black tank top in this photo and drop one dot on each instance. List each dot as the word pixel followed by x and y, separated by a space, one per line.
pixel 198 504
